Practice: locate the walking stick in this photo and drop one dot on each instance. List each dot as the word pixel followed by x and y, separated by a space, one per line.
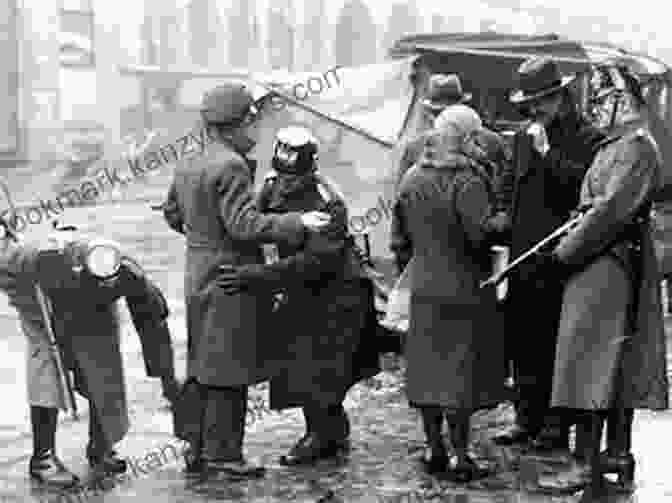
pixel 63 376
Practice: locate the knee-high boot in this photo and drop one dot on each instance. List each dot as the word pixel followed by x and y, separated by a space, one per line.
pixel 45 467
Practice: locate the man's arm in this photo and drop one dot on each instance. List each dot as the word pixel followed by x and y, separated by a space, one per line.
pixel 633 178
pixel 241 217
pixel 321 255
pixel 401 244
pixel 473 207
pixel 172 212
pixel 149 312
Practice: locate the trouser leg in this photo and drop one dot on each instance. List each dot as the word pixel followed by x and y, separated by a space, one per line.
pixel 98 444
pixel 432 421
pixel 619 431
pixel 459 432
pixel 43 421
pixel 224 423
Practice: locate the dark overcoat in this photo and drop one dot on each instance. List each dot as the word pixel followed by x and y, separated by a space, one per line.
pixel 211 201
pixel 540 193
pixel 455 339
pixel 86 323
pixel 324 327
pixel 609 350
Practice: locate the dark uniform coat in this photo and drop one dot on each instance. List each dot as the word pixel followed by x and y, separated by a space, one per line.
pixel 324 326
pixel 86 324
pixel 455 339
pixel 609 348
pixel 211 201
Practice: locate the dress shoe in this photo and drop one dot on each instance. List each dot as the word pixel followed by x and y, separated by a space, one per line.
pixel 309 449
pixel 108 463
pixel 463 469
pixel 435 460
pixel 517 435
pixel 49 470
pixel 551 439
pixel 621 464
pixel 240 469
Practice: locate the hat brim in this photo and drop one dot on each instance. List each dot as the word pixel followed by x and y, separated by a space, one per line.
pixel 440 105
pixel 519 96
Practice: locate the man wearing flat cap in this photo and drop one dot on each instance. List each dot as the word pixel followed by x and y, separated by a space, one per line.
pixel 444 91
pixel 211 201
pixel 552 152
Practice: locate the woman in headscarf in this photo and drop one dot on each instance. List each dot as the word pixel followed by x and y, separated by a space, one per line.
pixel 455 340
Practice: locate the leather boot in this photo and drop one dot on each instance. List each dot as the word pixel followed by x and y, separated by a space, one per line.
pixel 436 456
pixel 321 440
pixel 618 458
pixel 462 468
pixel 44 466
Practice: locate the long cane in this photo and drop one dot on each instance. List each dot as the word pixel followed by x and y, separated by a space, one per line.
pixel 63 376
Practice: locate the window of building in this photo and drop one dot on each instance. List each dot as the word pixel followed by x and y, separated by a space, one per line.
pixel 76 33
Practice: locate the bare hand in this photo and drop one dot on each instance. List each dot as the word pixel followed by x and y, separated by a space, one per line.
pixel 315 220
pixel 539 138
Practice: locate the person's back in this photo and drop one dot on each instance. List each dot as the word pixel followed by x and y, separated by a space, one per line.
pixel 434 202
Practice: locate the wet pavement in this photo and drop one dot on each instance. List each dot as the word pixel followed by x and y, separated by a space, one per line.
pixel 387 438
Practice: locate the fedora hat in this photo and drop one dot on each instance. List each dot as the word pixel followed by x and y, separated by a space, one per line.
pixel 537 77
pixel 444 90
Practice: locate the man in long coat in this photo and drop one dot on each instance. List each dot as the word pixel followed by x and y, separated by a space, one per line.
pixel 211 201
pixel 324 286
pixel 611 355
pixel 444 91
pixel 552 154
pixel 85 322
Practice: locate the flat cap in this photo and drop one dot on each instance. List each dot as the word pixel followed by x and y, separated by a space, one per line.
pixel 226 103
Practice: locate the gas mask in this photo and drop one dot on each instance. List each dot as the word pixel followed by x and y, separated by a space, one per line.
pixel 295 151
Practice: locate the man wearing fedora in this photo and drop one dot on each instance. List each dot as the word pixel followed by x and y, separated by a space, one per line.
pixel 552 152
pixel 444 91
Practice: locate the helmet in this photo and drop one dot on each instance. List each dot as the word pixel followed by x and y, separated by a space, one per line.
pixel 228 103
pixel 295 151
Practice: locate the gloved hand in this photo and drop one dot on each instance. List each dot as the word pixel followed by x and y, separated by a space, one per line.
pixel 237 279
pixel 231 280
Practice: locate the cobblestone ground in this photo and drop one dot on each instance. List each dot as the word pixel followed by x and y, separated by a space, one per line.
pixel 387 438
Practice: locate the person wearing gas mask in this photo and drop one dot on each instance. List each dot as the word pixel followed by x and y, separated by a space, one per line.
pixel 611 356
pixel 322 285
pixel 455 340
pixel 552 152
pixel 65 293
pixel 212 202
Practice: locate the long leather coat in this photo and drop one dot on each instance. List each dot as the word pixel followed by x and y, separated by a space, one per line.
pixel 325 323
pixel 211 201
pixel 86 325
pixel 611 344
